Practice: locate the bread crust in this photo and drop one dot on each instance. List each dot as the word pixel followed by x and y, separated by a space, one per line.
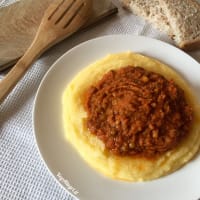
pixel 190 45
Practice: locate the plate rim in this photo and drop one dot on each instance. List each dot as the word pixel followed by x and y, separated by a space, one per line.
pixel 53 67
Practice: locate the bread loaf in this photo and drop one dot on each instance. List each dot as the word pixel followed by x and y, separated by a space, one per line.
pixel 180 19
pixel 184 19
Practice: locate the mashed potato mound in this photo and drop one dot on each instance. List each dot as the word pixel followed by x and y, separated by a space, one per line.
pixel 93 150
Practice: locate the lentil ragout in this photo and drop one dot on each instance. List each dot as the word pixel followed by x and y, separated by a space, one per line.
pixel 137 112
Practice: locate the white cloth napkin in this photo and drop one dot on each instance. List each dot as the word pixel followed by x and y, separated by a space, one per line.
pixel 23 174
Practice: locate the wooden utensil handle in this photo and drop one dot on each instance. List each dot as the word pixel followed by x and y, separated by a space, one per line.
pixel 17 72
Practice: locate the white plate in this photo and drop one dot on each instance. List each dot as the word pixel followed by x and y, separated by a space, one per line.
pixel 64 162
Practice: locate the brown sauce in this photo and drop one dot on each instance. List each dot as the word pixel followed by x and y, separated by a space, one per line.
pixel 137 112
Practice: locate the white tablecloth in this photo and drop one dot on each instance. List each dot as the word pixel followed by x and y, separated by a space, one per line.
pixel 23 175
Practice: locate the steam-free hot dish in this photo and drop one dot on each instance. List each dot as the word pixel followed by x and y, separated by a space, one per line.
pixel 131 117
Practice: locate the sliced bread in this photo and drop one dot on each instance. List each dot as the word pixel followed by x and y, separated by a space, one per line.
pixel 180 19
pixel 151 11
pixel 184 19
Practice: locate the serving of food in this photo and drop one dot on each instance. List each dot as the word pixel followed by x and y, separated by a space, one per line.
pixel 132 117
pixel 122 119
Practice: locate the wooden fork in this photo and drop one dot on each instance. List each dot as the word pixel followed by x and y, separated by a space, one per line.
pixel 61 19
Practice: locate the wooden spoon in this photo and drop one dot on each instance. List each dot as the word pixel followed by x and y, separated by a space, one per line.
pixel 61 19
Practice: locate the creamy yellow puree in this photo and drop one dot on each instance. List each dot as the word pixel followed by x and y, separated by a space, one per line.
pixel 93 151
